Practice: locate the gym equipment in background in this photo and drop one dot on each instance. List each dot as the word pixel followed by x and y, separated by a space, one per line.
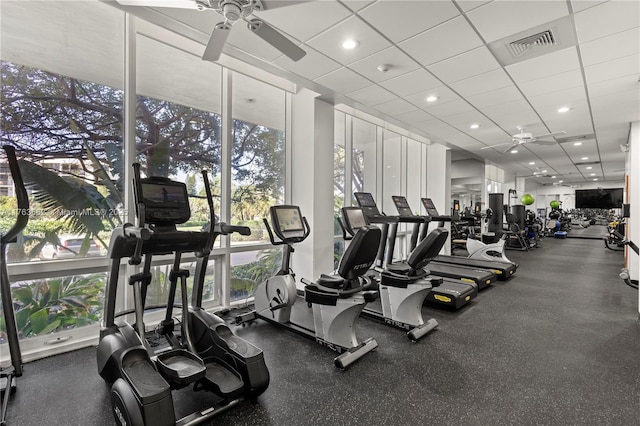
pixel 445 294
pixel 9 374
pixel 206 353
pixel 403 289
pixel 502 270
pixel 336 300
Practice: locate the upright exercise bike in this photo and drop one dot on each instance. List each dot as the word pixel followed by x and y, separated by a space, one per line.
pixel 208 355
pixel 336 300
pixel 9 374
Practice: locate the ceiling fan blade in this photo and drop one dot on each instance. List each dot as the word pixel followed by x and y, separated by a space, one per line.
pixel 511 147
pixel 216 42
pixel 550 134
pixel 277 40
pixel 543 142
pixel 181 4
pixel 275 4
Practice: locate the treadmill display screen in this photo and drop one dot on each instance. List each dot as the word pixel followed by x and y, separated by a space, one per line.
pixel 431 208
pixel 402 205
pixel 355 219
pixel 365 199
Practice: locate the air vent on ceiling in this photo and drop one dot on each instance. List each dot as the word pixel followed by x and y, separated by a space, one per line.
pixel 522 46
pixel 541 40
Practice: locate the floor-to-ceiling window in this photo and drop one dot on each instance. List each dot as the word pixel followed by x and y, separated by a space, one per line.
pixel 178 135
pixel 62 109
pixel 257 167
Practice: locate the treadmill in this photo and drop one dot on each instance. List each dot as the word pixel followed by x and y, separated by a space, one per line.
pixel 480 277
pixel 503 270
pixel 452 293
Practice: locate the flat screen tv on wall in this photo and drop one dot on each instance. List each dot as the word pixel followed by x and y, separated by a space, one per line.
pixel 601 198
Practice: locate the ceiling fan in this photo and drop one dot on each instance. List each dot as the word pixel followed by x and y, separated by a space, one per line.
pixel 232 11
pixel 523 138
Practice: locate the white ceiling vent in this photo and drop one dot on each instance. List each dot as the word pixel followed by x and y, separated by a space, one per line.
pixel 539 40
pixel 534 42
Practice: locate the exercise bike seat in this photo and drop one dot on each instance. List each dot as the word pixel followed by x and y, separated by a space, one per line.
pixel 420 256
pixel 331 281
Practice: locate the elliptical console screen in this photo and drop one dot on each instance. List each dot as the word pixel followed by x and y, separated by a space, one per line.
pixel 287 221
pixel 354 217
pixel 430 207
pixel 402 205
pixel 165 201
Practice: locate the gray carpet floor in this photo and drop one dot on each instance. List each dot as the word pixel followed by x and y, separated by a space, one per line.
pixel 557 344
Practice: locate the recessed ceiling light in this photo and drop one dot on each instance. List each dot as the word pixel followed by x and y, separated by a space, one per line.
pixel 562 110
pixel 432 98
pixel 514 151
pixel 544 171
pixel 560 181
pixel 595 179
pixel 474 126
pixel 531 163
pixel 350 44
pixel 553 177
pixel 577 143
pixel 584 158
pixel 592 174
pixel 589 168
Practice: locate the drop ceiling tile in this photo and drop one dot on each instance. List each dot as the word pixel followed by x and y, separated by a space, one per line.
pixel 397 61
pixel 621 108
pixel 313 65
pixel 512 115
pixel 626 66
pixel 465 65
pixel 615 46
pixel 330 42
pixel 464 120
pixel 482 83
pixel 606 19
pixel 372 95
pixel 356 5
pixel 553 83
pixel 395 107
pixel 444 94
pixel 414 116
pixel 500 19
pixel 463 141
pixel 442 110
pixel 579 124
pixel 547 105
pixel 412 82
pixel 495 97
pixel 626 84
pixel 467 5
pixel 415 16
pixel 444 41
pixel 543 66
pixel 324 14
pixel 578 5
pixel 343 80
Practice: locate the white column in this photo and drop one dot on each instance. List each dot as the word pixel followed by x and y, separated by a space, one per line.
pixel 312 182
pixel 633 198
pixel 439 183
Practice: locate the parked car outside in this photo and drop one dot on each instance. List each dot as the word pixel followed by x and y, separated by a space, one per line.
pixel 70 246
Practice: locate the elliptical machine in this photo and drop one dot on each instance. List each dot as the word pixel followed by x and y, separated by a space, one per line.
pixel 336 300
pixel 208 355
pixel 9 374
